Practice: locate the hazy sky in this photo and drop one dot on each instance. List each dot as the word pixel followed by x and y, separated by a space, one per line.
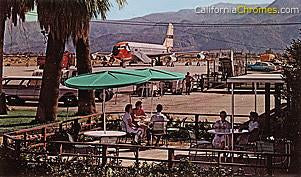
pixel 136 8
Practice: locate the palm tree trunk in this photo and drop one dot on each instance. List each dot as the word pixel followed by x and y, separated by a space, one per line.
pixel 86 98
pixel 3 109
pixel 48 102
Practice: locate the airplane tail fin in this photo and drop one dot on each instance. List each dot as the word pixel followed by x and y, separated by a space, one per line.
pixel 169 37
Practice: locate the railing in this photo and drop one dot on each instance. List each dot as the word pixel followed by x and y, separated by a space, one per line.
pixel 38 136
pixel 211 157
pixel 23 141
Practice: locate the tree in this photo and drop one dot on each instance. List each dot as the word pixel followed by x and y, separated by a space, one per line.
pixel 86 98
pixel 10 9
pixel 86 104
pixel 63 19
pixel 292 74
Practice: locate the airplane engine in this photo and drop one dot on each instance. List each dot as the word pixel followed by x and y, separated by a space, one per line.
pixel 201 56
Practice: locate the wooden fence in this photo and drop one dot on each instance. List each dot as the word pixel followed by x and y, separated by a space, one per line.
pixel 39 138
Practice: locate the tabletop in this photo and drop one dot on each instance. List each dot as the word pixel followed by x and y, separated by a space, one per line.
pixel 101 134
pixel 145 120
pixel 236 131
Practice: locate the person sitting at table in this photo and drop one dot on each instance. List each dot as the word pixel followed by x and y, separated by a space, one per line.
pixel 157 119
pixel 252 125
pixel 129 126
pixel 138 111
pixel 221 125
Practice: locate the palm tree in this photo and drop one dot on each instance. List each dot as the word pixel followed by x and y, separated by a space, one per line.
pixel 10 9
pixel 63 19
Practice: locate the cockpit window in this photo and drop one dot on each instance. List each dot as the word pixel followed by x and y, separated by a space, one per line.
pixel 115 50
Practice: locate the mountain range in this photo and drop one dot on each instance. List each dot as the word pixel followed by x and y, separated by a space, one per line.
pixel 28 38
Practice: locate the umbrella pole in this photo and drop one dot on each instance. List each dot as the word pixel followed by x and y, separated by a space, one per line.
pixel 116 97
pixel 255 89
pixel 232 117
pixel 103 110
pixel 152 92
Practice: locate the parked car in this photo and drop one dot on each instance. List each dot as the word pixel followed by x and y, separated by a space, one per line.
pixel 262 66
pixel 71 72
pixel 19 89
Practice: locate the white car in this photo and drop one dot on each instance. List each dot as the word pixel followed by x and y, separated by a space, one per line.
pixel 19 89
pixel 71 72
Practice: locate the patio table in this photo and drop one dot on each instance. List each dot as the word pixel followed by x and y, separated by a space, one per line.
pixel 236 131
pixel 108 135
pixel 227 133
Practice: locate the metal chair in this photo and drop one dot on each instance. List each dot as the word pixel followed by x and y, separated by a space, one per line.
pixel 128 135
pixel 197 144
pixel 172 131
pixel 159 131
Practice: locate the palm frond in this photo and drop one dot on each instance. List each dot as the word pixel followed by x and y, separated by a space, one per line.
pixel 65 18
pixel 16 9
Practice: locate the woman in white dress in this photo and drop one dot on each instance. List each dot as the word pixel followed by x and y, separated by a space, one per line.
pixel 221 125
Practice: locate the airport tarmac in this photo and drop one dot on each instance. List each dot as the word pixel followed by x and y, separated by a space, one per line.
pixel 179 67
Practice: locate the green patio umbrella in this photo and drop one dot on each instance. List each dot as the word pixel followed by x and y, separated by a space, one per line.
pixel 108 79
pixel 162 75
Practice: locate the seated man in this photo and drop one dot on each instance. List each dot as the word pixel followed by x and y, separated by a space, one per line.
pixel 252 126
pixel 158 123
pixel 221 125
pixel 129 126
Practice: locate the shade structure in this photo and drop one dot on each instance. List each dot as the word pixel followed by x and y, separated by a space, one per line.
pixel 162 75
pixel 108 79
pixel 253 79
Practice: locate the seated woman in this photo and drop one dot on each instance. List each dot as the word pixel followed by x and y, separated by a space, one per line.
pixel 129 126
pixel 252 125
pixel 138 113
pixel 221 125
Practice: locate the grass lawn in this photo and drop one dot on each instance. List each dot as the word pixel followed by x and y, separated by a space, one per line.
pixel 24 118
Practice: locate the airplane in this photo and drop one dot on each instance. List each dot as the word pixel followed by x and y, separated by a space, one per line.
pixel 145 52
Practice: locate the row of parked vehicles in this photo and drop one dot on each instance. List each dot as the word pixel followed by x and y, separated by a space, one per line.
pixel 19 89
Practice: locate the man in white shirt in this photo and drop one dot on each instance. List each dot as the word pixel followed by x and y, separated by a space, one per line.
pixel 158 123
pixel 129 127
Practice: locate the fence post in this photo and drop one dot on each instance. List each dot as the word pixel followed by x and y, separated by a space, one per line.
pixel 5 141
pixel 269 164
pixel 18 148
pixel 44 137
pixel 137 156
pixel 171 157
pixel 104 155
pixel 61 148
pixel 60 127
pixel 219 159
pixel 25 138
pixel 196 124
pixel 196 120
